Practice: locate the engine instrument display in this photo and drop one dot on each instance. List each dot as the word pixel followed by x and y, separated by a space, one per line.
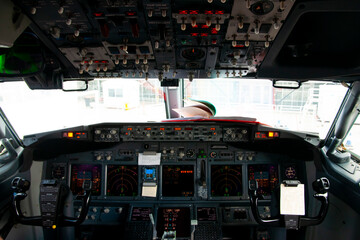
pixel 81 172
pixel 122 180
pixel 206 214
pixel 173 219
pixel 178 181
pixel 141 214
pixel 266 176
pixel 226 180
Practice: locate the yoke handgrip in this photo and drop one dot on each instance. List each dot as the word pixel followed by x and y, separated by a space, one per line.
pixel 320 186
pixel 20 186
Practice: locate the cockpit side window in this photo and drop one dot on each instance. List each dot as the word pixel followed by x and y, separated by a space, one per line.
pixel 9 143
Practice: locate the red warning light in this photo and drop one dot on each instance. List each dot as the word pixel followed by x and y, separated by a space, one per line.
pixel 194 34
pixel 130 13
pixel 214 31
pixel 194 11
pixel 239 46
pixel 204 34
pixel 183 12
pixel 204 26
pixel 195 26
pixel 209 12
pixel 220 12
pixel 98 14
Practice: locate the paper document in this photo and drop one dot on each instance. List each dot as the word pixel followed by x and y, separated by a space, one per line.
pixel 292 200
pixel 149 190
pixel 149 158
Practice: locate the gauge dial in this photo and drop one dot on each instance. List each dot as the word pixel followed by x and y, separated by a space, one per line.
pixel 290 172
pixel 190 153
pixel 213 154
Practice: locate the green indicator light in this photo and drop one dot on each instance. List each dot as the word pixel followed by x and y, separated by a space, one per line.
pixel 2 63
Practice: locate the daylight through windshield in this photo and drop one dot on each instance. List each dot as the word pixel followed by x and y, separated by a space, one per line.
pixel 311 108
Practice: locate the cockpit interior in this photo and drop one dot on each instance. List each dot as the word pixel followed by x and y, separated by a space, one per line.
pixel 179 119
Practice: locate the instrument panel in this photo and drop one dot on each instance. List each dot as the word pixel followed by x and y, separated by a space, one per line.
pixel 145 175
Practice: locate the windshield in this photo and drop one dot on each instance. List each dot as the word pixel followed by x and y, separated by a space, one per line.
pixel 311 108
pixel 106 100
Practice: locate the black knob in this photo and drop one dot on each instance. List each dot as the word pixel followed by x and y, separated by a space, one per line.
pixel 19 184
pixel 321 185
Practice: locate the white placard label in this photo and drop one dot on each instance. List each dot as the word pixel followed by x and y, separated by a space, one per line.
pixel 149 190
pixel 292 200
pixel 149 159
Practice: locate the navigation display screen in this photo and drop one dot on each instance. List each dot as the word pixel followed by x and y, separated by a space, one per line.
pixel 178 181
pixel 226 180
pixel 206 214
pixel 122 180
pixel 81 172
pixel 173 219
pixel 266 176
pixel 141 214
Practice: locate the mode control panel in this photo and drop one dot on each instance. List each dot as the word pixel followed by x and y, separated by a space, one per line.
pixel 171 133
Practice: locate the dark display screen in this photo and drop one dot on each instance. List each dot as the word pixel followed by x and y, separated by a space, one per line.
pixel 141 213
pixel 226 180
pixel 173 219
pixel 206 214
pixel 81 172
pixel 122 180
pixel 266 176
pixel 178 181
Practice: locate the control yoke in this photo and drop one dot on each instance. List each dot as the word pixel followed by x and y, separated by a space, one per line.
pixel 320 186
pixel 52 195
